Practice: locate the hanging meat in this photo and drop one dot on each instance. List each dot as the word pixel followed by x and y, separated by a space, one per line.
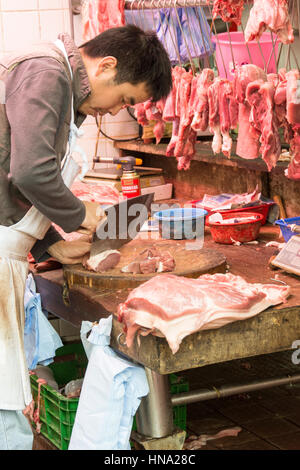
pixel 228 10
pixel 260 96
pixel 174 307
pixel 99 15
pixel 200 100
pixel 272 15
pixel 293 118
pixel 223 114
pixel 248 136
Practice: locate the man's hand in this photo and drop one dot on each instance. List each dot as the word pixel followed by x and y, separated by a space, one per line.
pixel 69 252
pixel 93 214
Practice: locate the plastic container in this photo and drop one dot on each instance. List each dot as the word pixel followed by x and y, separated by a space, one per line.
pixel 57 412
pixel 236 232
pixel 285 230
pixel 224 42
pixel 262 209
pixel 181 223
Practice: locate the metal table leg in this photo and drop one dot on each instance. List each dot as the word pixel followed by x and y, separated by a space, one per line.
pixel 155 417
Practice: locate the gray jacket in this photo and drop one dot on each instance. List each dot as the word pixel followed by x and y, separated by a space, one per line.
pixel 34 128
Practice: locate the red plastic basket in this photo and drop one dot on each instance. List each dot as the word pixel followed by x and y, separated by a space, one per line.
pixel 262 209
pixel 236 232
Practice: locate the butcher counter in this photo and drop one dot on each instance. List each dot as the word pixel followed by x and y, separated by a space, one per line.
pixel 271 331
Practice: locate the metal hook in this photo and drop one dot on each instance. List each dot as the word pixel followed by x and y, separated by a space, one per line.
pixel 119 340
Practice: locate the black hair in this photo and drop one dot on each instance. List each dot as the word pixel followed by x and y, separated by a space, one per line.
pixel 141 57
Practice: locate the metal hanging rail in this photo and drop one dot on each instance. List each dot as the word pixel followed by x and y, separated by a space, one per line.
pixel 150 5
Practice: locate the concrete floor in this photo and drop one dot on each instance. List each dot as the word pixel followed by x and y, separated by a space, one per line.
pixel 269 419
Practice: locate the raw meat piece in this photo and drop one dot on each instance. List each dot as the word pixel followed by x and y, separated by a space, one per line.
pixel 172 144
pixel 248 137
pixel 182 112
pixel 245 74
pixel 228 10
pixel 293 97
pixel 104 194
pixel 287 106
pixel 140 114
pixel 260 96
pixel 165 262
pixel 154 113
pixel 201 110
pixel 196 442
pixel 188 152
pixel 271 14
pixel 214 115
pixel 228 111
pixel 151 261
pixel 293 170
pixel 174 307
pixel 103 261
pixel 99 15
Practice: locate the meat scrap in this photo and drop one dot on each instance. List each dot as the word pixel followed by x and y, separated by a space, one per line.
pixel 99 15
pixel 175 307
pixel 151 261
pixel 196 442
pixel 228 10
pixel 271 14
pixel 103 261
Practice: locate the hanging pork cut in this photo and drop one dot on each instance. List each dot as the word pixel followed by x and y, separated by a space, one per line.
pixel 228 10
pixel 200 100
pixel 260 96
pixel 214 114
pixel 293 119
pixel 99 15
pixel 272 15
pixel 174 307
pixel 228 109
pixel 248 137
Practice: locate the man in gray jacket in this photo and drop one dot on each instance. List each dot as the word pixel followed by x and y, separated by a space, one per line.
pixel 119 68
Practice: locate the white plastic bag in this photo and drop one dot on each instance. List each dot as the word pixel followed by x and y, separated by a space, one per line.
pixel 40 338
pixel 111 393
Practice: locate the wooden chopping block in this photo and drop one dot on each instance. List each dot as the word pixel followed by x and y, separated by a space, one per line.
pixel 189 263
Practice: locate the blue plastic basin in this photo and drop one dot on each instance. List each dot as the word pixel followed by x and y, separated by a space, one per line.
pixel 181 223
pixel 285 230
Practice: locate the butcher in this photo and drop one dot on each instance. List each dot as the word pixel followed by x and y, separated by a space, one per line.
pixel 46 93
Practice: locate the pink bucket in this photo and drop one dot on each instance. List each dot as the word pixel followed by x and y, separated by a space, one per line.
pixel 240 52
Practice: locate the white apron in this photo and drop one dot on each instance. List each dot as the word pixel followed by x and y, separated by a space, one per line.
pixel 16 242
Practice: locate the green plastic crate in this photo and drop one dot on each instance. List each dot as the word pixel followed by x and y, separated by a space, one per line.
pixel 57 412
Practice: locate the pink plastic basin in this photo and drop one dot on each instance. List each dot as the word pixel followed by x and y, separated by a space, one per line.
pixel 240 52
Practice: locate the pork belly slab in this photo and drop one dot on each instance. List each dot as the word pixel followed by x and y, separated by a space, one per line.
pixel 174 307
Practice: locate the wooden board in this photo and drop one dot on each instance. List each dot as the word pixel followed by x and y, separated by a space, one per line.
pixel 189 263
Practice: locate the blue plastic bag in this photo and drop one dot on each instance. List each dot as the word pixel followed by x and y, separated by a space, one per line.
pixel 40 338
pixel 190 39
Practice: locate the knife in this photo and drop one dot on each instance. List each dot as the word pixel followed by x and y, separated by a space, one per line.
pixel 122 223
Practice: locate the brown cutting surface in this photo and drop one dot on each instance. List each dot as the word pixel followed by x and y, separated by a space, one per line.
pixel 189 263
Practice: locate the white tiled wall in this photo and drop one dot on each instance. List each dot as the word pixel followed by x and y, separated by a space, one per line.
pixel 26 21
pixel 23 22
